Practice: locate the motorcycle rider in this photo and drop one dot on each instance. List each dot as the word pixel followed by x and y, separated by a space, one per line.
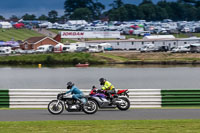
pixel 77 94
pixel 108 87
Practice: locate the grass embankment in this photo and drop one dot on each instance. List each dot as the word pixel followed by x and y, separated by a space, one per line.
pixel 17 34
pixel 150 58
pixel 102 58
pixel 51 59
pixel 103 126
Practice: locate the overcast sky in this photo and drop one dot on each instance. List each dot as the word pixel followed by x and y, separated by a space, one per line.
pixel 38 7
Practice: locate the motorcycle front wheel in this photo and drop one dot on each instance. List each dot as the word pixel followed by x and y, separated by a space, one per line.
pixel 90 107
pixel 55 108
pixel 124 105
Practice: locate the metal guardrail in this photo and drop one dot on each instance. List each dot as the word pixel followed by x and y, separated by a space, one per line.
pixel 4 99
pixel 140 98
pixel 181 98
pixel 39 98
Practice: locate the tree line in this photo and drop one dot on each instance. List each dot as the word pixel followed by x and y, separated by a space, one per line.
pixel 119 11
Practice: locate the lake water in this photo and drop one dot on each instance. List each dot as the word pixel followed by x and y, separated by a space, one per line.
pixel 126 77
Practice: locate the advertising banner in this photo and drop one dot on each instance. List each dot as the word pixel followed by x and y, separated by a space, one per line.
pixel 90 34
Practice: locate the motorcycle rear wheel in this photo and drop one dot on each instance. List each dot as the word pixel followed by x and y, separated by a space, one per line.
pixel 126 104
pixel 53 109
pixel 91 107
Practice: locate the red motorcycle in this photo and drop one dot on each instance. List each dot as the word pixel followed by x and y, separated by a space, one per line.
pixel 119 100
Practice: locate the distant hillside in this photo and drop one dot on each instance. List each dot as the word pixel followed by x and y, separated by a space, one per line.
pixel 17 34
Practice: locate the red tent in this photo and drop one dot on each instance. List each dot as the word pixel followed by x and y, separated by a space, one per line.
pixel 134 26
pixel 19 25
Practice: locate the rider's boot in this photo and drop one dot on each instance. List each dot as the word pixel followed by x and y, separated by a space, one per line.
pixel 111 99
pixel 81 102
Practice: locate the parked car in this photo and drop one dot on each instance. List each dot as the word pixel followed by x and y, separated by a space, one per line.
pixel 81 49
pixel 148 48
pixel 181 49
pixel 162 49
pixel 19 51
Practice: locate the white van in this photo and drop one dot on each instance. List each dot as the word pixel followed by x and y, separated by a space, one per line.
pixel 44 49
pixel 148 48
pixel 95 48
pixel 69 48
pixel 5 50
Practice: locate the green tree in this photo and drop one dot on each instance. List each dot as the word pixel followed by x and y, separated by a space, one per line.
pixel 191 13
pixel 82 13
pixel 2 18
pixel 179 10
pixel 198 14
pixel 117 4
pixel 132 11
pixel 62 19
pixel 14 18
pixel 95 7
pixel 161 13
pixel 146 2
pixel 53 16
pixel 71 5
pixel 43 17
pixel 119 14
pixel 148 9
pixel 29 17
pixel 167 7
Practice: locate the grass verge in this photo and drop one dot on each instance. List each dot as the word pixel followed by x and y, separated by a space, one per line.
pixel 150 58
pixel 51 59
pixel 17 34
pixel 103 126
pixel 102 58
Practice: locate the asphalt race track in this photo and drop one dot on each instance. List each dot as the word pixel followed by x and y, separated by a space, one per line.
pixel 132 114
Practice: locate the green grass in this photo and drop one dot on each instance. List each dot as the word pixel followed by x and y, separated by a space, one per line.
pixel 149 58
pixel 196 34
pixel 133 36
pixel 56 31
pixel 52 59
pixel 17 34
pixel 102 126
pixel 113 57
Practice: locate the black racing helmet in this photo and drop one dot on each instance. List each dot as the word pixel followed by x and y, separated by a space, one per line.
pixel 70 85
pixel 102 81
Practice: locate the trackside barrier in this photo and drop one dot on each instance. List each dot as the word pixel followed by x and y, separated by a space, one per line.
pixel 140 98
pixel 39 98
pixel 4 99
pixel 180 98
